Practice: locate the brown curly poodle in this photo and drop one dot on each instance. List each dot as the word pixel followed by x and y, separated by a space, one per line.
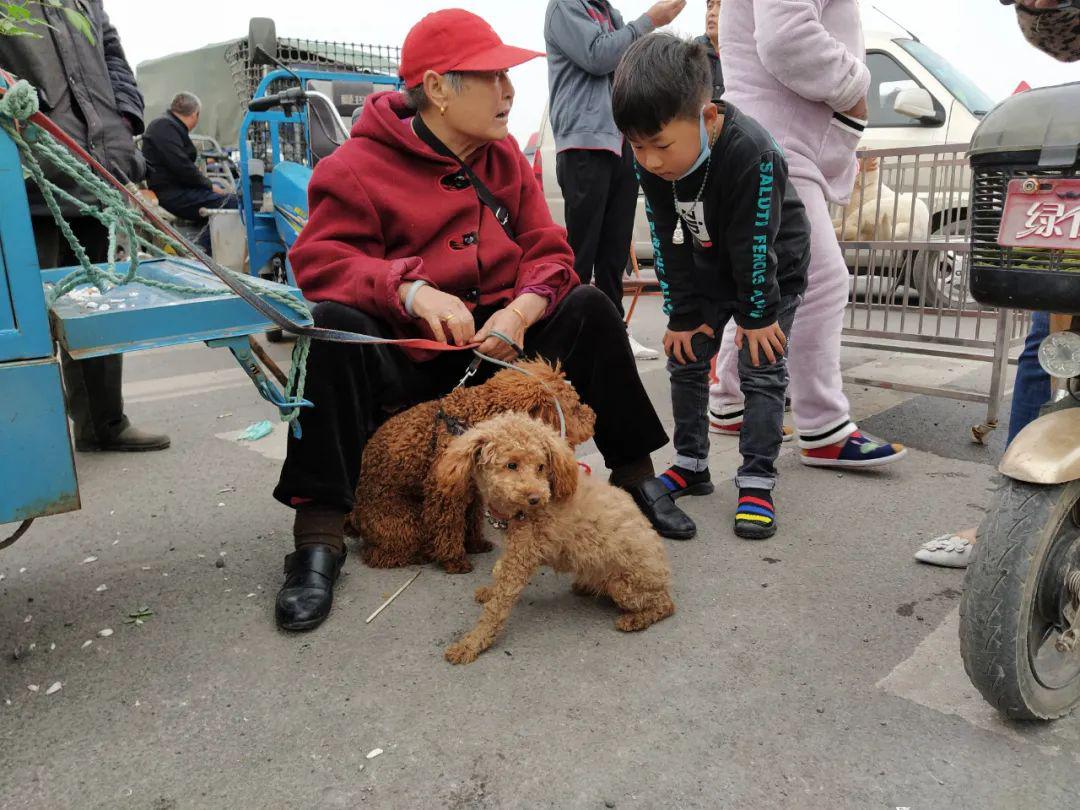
pixel 574 523
pixel 404 513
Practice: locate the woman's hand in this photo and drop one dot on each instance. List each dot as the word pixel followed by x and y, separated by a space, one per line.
pixel 447 315
pixel 508 323
pixel 771 340
pixel 677 345
pixel 513 321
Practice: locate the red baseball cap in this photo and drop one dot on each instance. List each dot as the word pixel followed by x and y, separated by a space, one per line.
pixel 456 40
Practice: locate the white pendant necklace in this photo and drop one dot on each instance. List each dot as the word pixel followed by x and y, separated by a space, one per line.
pixel 677 238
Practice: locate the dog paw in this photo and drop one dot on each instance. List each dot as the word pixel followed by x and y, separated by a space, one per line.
pixel 483 594
pixel 479 547
pixel 461 566
pixel 461 653
pixel 632 622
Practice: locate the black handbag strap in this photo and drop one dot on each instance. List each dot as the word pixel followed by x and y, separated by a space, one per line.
pixel 502 214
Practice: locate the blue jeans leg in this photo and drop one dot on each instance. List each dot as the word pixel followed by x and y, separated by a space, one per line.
pixel 1032 389
pixel 763 388
pixel 690 402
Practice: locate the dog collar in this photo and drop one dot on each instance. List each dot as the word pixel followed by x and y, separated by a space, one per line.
pixel 501 523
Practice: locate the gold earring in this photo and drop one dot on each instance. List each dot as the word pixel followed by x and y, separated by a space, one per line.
pixel 442 110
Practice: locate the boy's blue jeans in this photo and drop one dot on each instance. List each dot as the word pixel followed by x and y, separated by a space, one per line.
pixel 763 387
pixel 1032 389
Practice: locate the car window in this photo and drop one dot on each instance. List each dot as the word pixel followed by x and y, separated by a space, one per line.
pixel 965 90
pixel 887 78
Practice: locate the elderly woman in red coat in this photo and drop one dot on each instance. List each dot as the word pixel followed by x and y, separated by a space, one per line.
pixel 400 244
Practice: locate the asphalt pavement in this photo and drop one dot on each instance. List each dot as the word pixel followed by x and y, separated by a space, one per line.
pixel 819 669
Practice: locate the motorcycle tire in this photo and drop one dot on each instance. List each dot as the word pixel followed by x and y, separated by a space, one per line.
pixel 1006 637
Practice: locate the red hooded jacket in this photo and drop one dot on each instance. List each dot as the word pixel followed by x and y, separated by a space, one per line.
pixel 385 209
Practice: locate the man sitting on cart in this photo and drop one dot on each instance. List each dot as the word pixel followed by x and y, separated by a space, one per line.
pixel 171 171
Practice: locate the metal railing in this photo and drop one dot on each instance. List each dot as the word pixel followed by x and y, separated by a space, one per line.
pixel 905 236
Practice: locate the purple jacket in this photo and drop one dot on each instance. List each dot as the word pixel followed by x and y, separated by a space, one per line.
pixel 795 65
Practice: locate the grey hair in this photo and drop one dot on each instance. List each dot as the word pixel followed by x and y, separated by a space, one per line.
pixel 416 98
pixel 185 103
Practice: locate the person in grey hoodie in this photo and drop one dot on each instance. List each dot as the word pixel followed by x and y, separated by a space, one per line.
pixel 585 40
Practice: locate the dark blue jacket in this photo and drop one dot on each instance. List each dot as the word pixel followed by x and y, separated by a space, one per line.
pixel 717 72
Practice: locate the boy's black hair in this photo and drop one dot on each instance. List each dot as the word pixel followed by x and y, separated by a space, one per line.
pixel 660 78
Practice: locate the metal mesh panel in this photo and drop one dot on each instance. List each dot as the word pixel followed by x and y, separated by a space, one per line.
pixel 306 54
pixel 345 57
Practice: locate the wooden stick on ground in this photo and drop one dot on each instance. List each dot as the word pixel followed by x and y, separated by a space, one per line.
pixel 394 596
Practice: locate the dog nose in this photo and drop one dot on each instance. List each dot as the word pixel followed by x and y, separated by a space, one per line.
pixel 534 499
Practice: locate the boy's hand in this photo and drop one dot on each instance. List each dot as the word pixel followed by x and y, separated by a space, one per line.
pixel 770 340
pixel 677 344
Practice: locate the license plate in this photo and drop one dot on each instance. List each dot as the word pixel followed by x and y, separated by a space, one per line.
pixel 1041 213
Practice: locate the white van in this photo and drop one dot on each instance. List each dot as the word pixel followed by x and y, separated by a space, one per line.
pixel 916 98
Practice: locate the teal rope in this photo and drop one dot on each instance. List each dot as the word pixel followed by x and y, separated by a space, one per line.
pixel 17 105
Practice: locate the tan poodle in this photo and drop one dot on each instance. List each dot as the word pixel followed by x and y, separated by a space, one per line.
pixel 407 514
pixel 528 478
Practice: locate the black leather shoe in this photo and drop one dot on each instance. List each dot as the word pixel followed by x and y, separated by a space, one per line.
pixel 128 440
pixel 656 503
pixel 305 599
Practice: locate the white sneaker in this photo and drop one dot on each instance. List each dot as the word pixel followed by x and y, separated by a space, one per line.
pixel 948 551
pixel 641 352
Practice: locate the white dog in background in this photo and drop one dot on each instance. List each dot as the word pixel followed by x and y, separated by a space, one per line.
pixel 877 213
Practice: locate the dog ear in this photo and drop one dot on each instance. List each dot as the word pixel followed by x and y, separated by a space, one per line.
pixel 455 468
pixel 581 423
pixel 562 468
pixel 543 409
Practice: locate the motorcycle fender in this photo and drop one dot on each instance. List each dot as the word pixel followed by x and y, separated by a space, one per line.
pixel 1047 451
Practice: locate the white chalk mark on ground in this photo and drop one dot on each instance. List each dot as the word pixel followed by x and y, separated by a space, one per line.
pixel 933 676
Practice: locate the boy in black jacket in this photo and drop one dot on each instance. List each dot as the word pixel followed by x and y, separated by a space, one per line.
pixel 731 239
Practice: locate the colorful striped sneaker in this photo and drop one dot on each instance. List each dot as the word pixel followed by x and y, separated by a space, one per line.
pixel 857 450
pixel 731 425
pixel 681 481
pixel 755 519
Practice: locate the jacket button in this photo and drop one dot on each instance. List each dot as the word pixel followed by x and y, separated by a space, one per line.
pixel 455 182
pixel 472 295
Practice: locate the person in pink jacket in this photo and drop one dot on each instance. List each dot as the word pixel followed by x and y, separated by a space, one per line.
pixel 797 66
